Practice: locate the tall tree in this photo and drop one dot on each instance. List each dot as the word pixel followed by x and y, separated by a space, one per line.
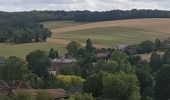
pixel 73 48
pixel 38 63
pixel 155 61
pixel 14 69
pixel 89 45
pixel 162 83
pixel 121 86
pixel 53 54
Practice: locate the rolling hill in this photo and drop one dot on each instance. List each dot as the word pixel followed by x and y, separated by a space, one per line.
pixel 109 33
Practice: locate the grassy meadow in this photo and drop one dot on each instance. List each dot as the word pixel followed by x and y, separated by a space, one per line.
pixel 21 50
pixel 113 35
pixel 102 34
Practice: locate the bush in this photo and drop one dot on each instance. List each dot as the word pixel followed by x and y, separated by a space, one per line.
pixel 79 96
pixel 94 84
pixel 23 96
pixel 68 81
pixel 43 95
pixel 72 69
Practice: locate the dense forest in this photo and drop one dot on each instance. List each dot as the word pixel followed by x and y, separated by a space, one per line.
pixel 23 27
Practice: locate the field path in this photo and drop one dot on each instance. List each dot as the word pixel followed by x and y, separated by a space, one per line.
pixel 152 24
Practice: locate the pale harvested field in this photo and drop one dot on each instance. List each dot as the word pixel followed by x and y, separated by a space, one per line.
pixel 109 33
pixel 153 24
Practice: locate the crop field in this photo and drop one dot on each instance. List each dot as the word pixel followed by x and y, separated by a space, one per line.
pixel 21 50
pixel 111 33
pixel 103 34
pixel 60 24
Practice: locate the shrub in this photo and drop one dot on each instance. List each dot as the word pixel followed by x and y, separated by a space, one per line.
pixel 79 96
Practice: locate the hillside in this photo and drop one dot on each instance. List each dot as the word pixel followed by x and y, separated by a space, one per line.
pixel 114 32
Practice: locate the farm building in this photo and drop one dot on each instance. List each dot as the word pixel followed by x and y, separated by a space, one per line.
pixel 56 63
pixel 19 86
pixel 121 47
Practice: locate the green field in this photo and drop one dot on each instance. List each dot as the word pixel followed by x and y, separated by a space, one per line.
pixel 60 24
pixel 21 50
pixel 107 33
pixel 112 35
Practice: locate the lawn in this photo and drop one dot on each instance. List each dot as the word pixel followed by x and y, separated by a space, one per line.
pixel 60 24
pixel 21 50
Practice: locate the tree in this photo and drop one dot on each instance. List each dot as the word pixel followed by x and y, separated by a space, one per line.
pixel 119 56
pixel 53 54
pixel 38 63
pixel 71 69
pixel 146 83
pixel 110 66
pixel 162 83
pixel 89 45
pixel 134 60
pixel 147 46
pixel 94 84
pixel 14 69
pixel 155 61
pixel 121 86
pixel 73 48
pixel 157 44
pixel 68 81
pixel 166 57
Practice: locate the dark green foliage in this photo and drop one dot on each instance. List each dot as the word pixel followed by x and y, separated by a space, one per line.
pixel 38 63
pixel 121 86
pixel 166 57
pixel 157 44
pixel 73 48
pixel 110 66
pixel 146 47
pixel 155 61
pixel 89 46
pixel 14 69
pixel 53 54
pixel 94 84
pixel 70 69
pixel 134 60
pixel 146 83
pixel 162 83
pixel 119 57
pixel 79 96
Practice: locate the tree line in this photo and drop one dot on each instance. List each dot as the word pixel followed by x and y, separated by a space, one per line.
pixel 23 27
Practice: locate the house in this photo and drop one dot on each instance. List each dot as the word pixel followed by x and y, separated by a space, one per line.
pixel 18 86
pixel 56 94
pixel 4 88
pixel 2 60
pixel 121 47
pixel 56 63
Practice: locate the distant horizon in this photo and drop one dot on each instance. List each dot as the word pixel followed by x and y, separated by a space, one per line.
pixel 73 5
pixel 86 10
